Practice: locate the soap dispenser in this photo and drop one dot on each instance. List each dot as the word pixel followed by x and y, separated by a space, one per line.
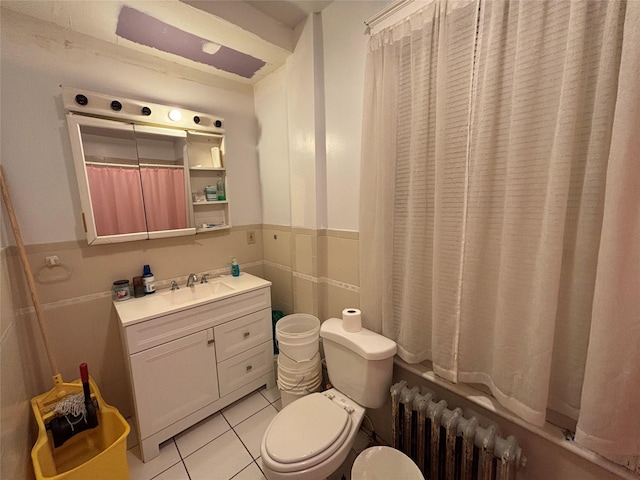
pixel 148 280
pixel 235 268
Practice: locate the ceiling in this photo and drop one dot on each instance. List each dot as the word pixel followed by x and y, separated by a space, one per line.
pixel 288 13
pixel 241 40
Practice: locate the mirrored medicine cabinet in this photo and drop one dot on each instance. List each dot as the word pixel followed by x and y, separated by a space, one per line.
pixel 139 181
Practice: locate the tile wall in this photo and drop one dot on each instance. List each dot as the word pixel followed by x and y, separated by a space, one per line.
pixel 313 271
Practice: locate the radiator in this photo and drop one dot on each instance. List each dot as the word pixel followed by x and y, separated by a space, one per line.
pixel 444 444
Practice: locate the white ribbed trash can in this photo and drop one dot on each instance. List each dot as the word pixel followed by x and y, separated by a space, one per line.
pixel 299 366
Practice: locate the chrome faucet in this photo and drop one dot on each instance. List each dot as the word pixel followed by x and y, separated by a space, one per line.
pixel 191 279
pixel 174 285
pixel 203 278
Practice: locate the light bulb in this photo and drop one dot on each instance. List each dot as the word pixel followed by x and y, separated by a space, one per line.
pixel 175 115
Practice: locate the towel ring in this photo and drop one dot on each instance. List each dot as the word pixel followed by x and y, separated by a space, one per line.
pixel 64 275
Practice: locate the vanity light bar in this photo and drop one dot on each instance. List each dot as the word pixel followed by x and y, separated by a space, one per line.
pixel 108 106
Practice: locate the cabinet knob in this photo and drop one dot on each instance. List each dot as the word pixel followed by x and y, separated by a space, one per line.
pixel 210 342
pixel 246 334
pixel 249 367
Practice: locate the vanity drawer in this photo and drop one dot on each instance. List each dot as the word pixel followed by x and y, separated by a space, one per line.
pixel 244 368
pixel 157 331
pixel 242 334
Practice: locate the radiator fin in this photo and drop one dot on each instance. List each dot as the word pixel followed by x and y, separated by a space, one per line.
pixel 444 444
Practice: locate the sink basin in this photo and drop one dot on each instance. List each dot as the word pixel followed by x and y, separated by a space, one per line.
pixel 199 292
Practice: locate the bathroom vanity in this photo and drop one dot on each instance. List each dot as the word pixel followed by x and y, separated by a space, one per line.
pixel 191 352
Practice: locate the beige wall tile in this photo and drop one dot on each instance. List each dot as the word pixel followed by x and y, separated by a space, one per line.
pixel 305 247
pixel 281 288
pixel 340 298
pixel 342 260
pixel 15 409
pixel 257 270
pixel 322 257
pixel 277 246
pixel 305 296
pixel 323 306
pixel 82 332
pixel 7 309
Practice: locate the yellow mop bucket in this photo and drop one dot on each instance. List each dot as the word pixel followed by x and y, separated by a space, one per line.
pixel 99 453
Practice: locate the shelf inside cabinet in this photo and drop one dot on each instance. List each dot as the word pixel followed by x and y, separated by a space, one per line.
pixel 207 169
pixel 211 229
pixel 216 202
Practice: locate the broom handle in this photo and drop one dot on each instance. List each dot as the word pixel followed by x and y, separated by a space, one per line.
pixel 27 271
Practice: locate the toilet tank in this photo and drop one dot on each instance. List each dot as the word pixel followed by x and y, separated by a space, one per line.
pixel 359 364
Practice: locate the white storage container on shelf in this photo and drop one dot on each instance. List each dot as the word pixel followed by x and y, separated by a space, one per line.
pixel 299 367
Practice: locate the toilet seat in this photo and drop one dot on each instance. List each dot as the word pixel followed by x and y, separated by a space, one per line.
pixel 306 433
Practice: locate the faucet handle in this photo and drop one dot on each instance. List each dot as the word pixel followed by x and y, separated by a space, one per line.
pixel 174 285
pixel 203 279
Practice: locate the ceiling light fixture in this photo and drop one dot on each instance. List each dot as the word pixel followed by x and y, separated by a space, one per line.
pixel 175 115
pixel 210 47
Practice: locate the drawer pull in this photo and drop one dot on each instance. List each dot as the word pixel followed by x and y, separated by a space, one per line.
pixel 210 342
pixel 249 367
pixel 246 334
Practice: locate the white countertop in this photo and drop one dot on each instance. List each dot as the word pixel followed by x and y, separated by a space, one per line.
pixel 165 302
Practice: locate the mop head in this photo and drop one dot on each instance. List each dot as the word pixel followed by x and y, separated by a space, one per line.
pixel 73 415
pixel 72 405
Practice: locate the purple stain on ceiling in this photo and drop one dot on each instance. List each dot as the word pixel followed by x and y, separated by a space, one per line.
pixel 146 30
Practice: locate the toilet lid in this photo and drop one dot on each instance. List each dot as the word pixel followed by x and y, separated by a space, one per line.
pixel 306 428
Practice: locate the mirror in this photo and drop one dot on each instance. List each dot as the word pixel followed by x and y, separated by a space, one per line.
pixel 161 154
pixel 131 178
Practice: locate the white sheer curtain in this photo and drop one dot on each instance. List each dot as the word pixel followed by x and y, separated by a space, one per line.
pixel 612 377
pixel 483 185
pixel 417 86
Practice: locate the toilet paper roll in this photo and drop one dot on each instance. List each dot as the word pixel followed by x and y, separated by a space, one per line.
pixel 352 320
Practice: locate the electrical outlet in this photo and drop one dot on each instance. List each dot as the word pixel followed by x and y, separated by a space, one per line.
pixel 251 236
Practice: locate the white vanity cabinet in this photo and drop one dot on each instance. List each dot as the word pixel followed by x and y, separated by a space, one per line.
pixel 189 361
pixel 174 379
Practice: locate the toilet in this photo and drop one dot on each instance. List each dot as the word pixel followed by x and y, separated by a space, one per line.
pixel 311 437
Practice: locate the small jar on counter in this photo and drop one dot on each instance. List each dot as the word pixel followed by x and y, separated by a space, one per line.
pixel 138 287
pixel 121 290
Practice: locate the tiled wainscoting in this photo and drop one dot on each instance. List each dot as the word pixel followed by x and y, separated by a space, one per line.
pixel 313 271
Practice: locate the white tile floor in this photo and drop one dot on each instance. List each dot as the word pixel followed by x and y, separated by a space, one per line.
pixel 224 446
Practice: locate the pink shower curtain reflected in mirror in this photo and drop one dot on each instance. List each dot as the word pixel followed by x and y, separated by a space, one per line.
pixel 164 198
pixel 116 198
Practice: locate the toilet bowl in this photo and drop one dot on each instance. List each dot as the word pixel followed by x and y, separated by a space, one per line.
pixel 383 463
pixel 311 437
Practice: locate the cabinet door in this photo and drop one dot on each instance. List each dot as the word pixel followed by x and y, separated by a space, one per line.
pixel 173 380
pixel 106 162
